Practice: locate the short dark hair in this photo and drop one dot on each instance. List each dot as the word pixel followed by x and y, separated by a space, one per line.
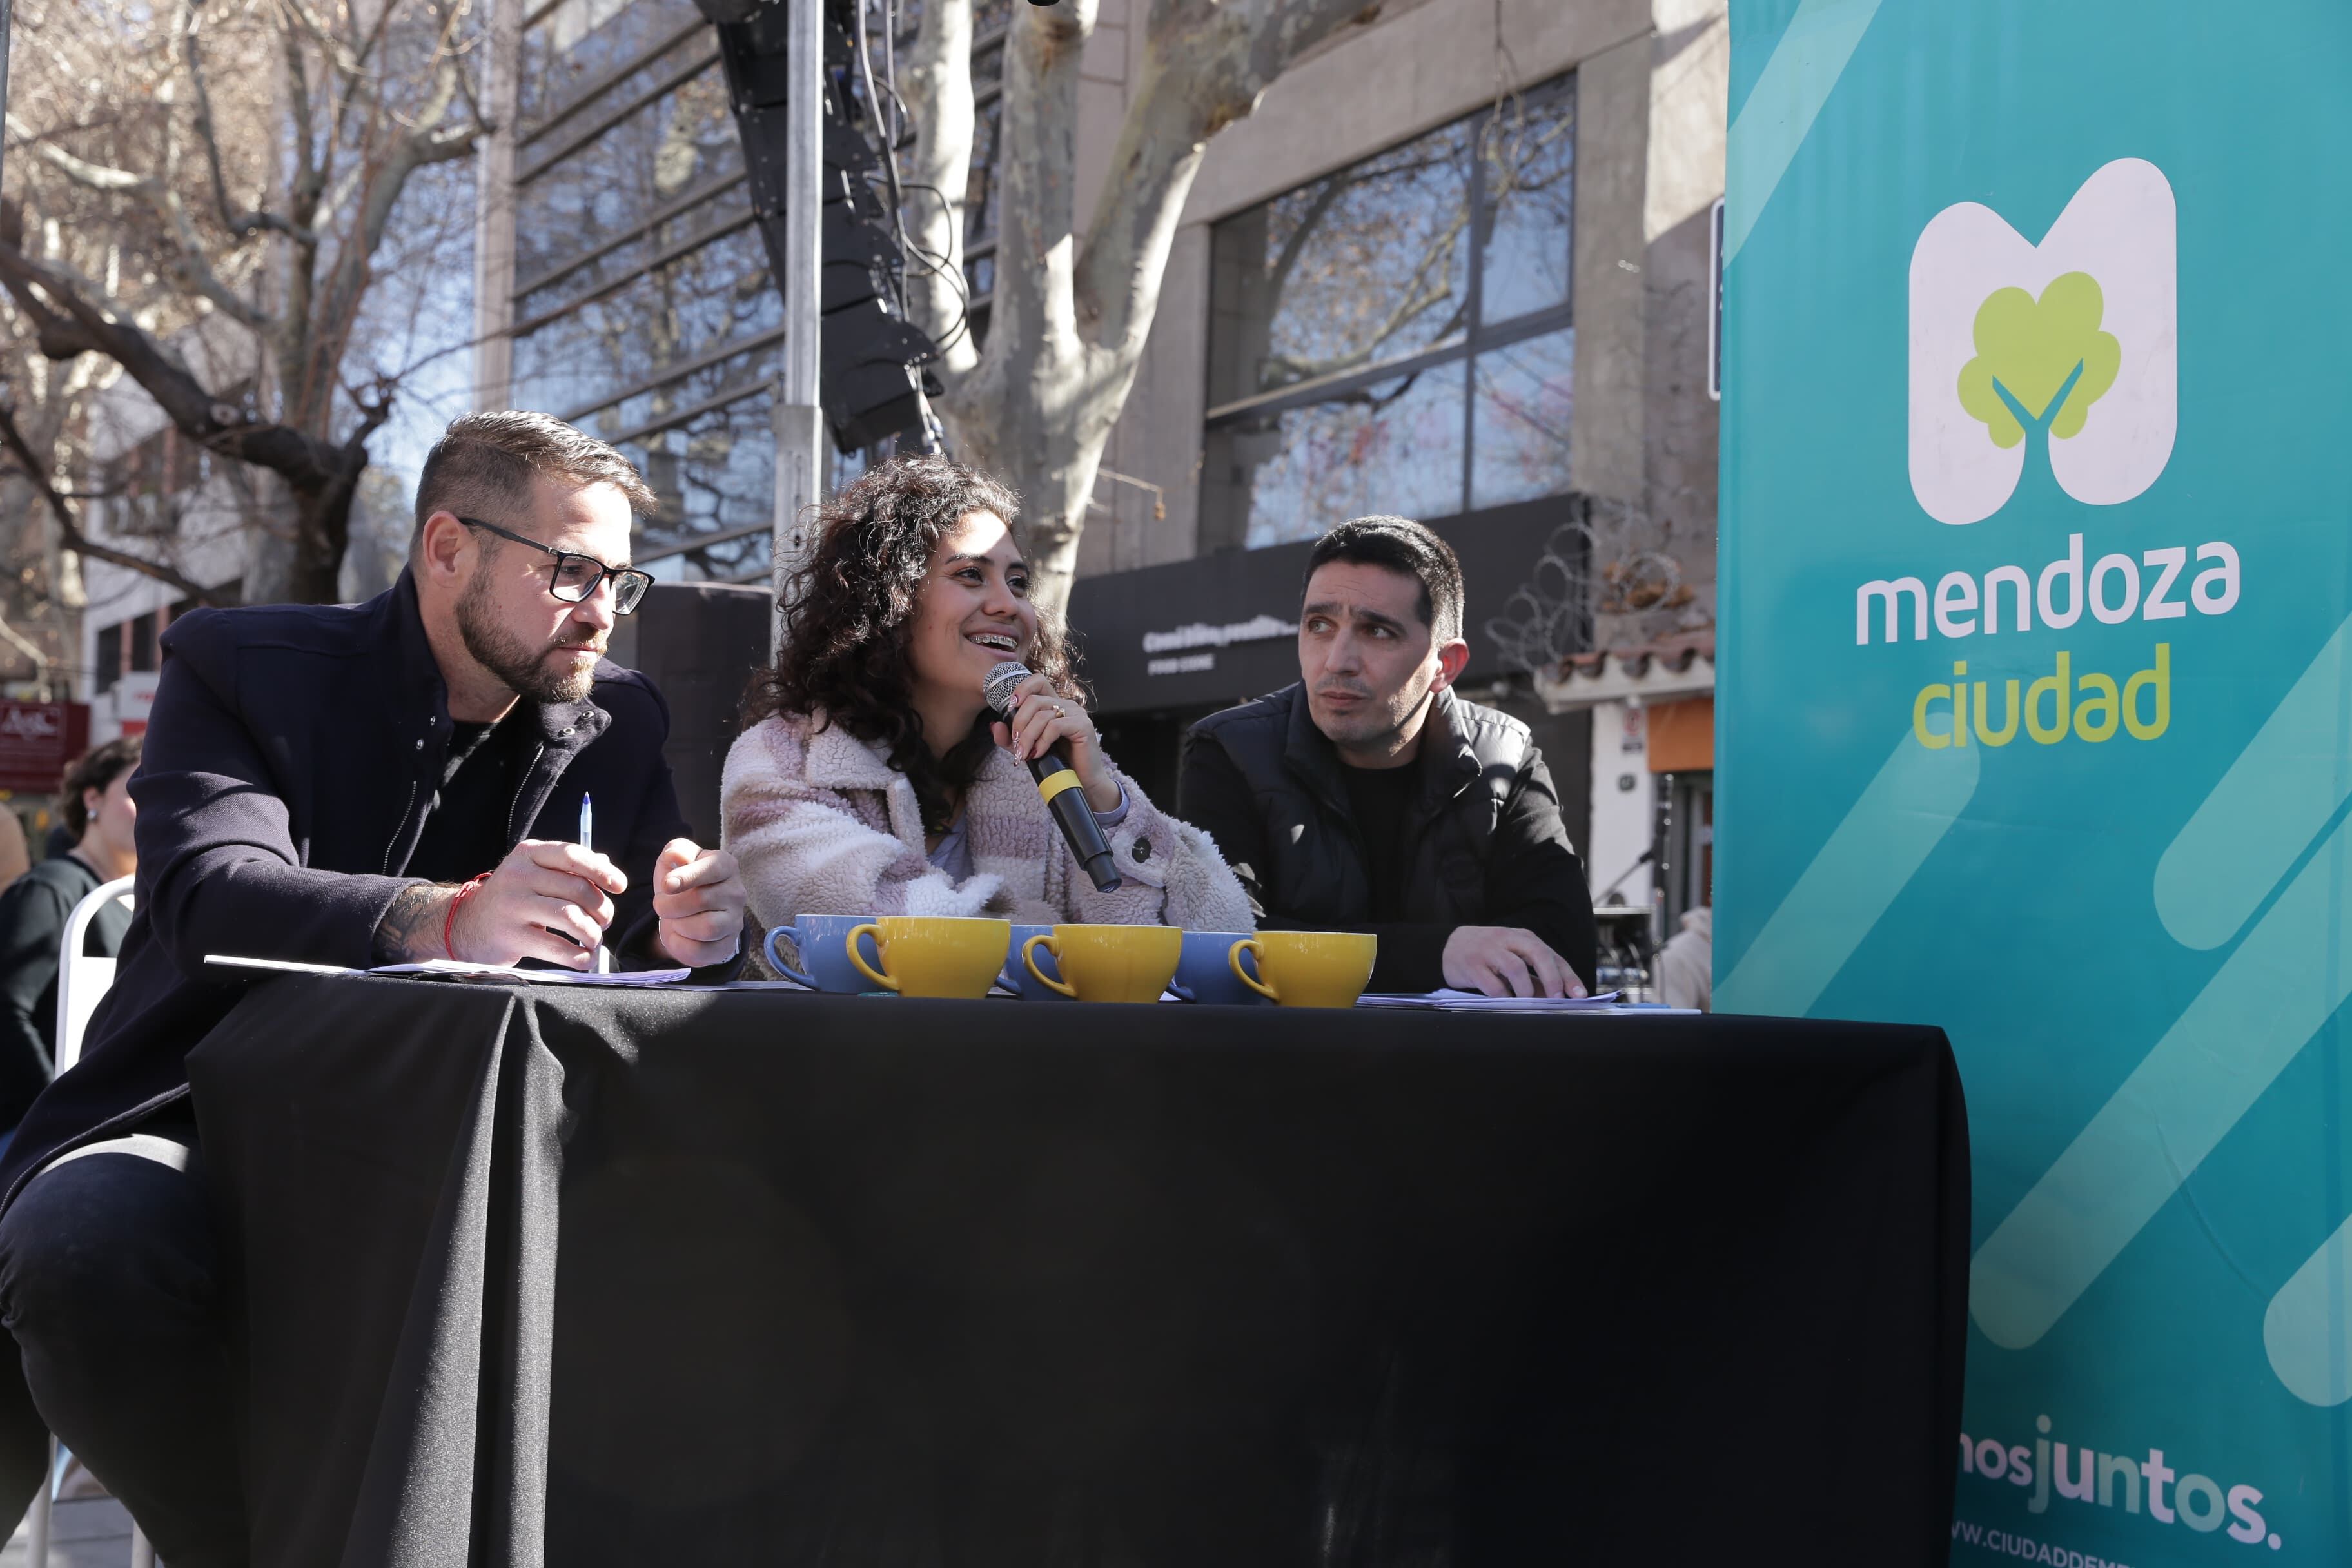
pixel 1402 545
pixel 485 463
pixel 96 769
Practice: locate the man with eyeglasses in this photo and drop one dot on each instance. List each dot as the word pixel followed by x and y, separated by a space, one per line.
pixel 349 785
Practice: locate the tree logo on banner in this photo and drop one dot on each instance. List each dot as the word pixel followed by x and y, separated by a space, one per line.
pixel 2041 363
pixel 2068 347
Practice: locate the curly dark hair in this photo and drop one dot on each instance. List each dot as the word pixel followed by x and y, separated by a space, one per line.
pixel 844 657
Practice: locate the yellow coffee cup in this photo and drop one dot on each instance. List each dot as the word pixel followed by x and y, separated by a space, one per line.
pixel 932 956
pixel 1308 968
pixel 1108 964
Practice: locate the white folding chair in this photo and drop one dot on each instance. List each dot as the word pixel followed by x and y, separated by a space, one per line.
pixel 81 981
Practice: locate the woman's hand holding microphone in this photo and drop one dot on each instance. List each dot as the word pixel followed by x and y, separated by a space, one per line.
pixel 1042 717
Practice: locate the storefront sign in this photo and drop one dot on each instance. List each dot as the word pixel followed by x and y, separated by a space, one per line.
pixel 2035 708
pixel 37 740
pixel 1257 629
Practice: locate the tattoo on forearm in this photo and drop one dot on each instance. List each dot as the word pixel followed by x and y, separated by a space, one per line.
pixel 410 931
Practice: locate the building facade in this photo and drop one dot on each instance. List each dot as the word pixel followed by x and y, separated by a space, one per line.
pixel 1456 265
pixel 161 495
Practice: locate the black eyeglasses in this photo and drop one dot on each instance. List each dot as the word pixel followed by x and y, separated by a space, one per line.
pixel 576 577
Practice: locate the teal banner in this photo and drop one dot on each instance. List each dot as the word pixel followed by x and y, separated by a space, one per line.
pixel 2035 707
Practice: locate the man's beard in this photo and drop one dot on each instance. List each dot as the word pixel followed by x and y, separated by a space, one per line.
pixel 1377 723
pixel 523 668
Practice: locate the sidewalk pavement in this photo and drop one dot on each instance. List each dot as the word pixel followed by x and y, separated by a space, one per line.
pixel 84 1532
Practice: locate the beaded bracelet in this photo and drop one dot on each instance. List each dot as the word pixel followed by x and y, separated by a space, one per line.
pixel 449 921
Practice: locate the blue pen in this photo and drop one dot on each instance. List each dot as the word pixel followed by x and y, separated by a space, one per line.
pixel 603 964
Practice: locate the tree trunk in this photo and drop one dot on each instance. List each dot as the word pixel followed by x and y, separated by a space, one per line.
pixel 316 569
pixel 1032 411
pixel 1070 315
pixel 322 534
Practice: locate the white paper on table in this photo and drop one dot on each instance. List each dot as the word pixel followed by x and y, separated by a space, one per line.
pixel 1449 1000
pixel 459 969
pixel 279 965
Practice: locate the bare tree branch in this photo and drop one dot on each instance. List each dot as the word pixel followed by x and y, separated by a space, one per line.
pixel 189 260
pixel 254 220
pixel 281 449
pixel 340 56
pixel 1204 67
pixel 31 650
pixel 156 228
pixel 81 171
pixel 1069 319
pixel 428 144
pixel 1278 276
pixel 70 532
pixel 1431 284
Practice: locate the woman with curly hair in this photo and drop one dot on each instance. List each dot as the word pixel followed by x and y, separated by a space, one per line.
pixel 874 780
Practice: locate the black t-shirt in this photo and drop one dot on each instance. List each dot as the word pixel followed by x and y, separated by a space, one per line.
pixel 1385 803
pixel 465 825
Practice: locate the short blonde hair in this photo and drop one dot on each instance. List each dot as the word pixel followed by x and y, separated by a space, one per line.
pixel 485 463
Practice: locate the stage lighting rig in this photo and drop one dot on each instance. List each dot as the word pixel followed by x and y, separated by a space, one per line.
pixel 871 383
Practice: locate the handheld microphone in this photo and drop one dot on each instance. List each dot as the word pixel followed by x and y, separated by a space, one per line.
pixel 1058 783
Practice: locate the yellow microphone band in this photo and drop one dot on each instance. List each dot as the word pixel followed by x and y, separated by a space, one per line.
pixel 1053 784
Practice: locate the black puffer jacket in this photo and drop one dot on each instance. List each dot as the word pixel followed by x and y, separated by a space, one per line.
pixel 1490 850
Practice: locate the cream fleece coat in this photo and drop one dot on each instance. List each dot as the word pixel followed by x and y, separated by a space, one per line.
pixel 822 823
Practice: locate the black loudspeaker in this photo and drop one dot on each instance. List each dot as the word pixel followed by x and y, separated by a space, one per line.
pixel 871 380
pixel 699 642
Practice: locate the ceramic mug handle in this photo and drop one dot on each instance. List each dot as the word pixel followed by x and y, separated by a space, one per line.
pixel 1029 957
pixel 858 958
pixel 778 964
pixel 1257 951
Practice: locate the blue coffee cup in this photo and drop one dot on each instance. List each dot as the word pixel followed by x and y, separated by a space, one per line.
pixel 1016 974
pixel 1204 975
pixel 821 940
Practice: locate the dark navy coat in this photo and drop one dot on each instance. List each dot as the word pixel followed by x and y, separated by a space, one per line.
pixel 290 756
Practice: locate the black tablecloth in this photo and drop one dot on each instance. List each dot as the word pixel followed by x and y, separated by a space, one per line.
pixel 860 1281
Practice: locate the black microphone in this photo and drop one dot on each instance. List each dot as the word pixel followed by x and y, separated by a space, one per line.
pixel 1058 783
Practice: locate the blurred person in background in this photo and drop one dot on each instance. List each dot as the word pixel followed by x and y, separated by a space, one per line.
pixel 98 810
pixel 1687 963
pixel 15 857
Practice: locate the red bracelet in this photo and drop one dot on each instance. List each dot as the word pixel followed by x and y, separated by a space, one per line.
pixel 449 921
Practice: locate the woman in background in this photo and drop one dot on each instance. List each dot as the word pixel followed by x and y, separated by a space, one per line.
pixel 98 811
pixel 874 780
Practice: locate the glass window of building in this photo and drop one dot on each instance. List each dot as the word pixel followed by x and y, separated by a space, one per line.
pixel 643 313
pixel 990 20
pixel 1396 336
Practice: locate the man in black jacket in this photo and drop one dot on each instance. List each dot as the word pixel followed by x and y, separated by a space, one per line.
pixel 1370 798
pixel 394 782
